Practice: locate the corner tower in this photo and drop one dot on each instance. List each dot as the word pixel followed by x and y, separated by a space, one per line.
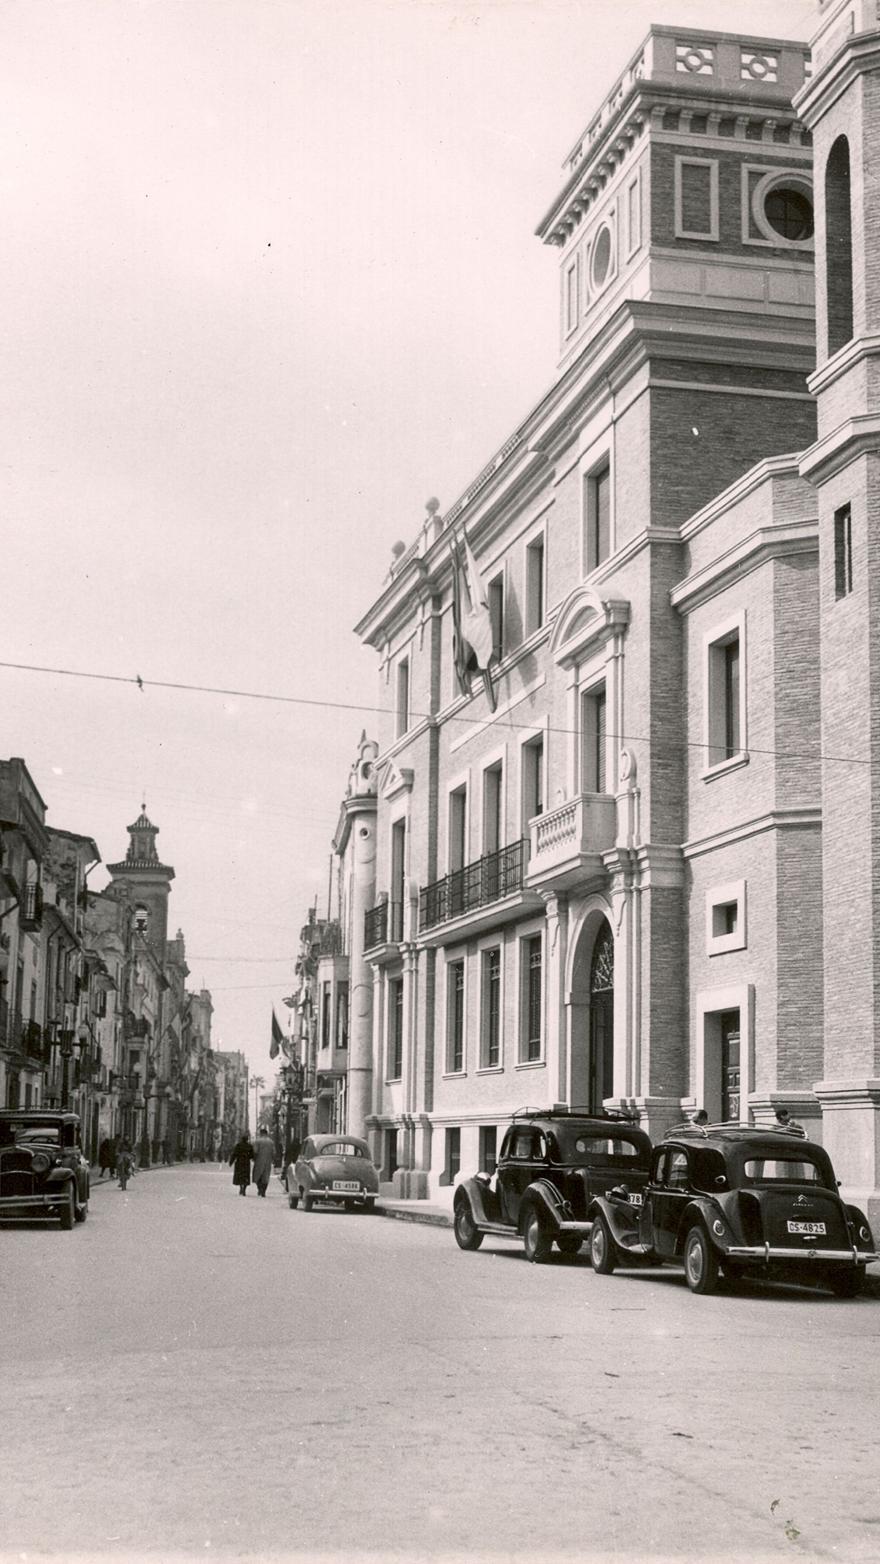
pixel 145 881
pixel 841 106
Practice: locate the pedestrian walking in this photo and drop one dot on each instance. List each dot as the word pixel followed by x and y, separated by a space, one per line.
pixel 106 1156
pixel 240 1162
pixel 124 1162
pixel 264 1157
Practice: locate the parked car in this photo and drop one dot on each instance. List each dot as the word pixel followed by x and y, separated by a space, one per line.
pixel 334 1168
pixel 552 1164
pixel 745 1201
pixel 42 1165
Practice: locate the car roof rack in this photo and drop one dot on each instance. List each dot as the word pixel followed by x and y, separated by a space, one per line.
pixel 690 1128
pixel 564 1111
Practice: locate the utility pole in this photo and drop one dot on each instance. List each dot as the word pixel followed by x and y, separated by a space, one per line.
pixel 256 1082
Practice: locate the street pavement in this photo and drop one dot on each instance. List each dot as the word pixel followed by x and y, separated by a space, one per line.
pixel 192 1375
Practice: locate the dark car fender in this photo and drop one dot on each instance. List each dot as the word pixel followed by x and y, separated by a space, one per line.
pixel 544 1197
pixel 702 1213
pixel 858 1221
pixel 481 1198
pixel 622 1219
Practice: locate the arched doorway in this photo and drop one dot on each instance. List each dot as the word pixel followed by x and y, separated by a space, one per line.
pixel 591 1014
pixel 602 1017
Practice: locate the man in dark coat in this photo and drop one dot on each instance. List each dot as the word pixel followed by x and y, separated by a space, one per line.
pixel 240 1162
pixel 264 1156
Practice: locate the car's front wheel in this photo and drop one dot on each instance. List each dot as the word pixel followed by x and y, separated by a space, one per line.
pixel 536 1240
pixel 700 1262
pixel 467 1234
pixel 68 1209
pixel 603 1250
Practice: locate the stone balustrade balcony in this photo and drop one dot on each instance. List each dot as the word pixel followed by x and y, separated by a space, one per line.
pixel 566 843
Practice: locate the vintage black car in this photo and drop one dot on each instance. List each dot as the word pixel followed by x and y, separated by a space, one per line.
pixel 552 1164
pixel 738 1200
pixel 42 1166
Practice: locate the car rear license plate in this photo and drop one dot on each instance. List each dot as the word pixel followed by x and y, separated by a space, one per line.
pixel 807 1228
pixel 347 1184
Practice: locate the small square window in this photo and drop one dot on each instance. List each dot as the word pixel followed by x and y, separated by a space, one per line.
pixel 726 918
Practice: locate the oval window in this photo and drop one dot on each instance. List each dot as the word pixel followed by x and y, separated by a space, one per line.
pixel 600 264
pixel 789 213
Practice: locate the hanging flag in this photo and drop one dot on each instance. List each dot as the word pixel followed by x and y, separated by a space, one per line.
pixel 473 640
pixel 277 1038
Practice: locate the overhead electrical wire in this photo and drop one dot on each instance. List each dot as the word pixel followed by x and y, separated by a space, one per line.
pixel 481 722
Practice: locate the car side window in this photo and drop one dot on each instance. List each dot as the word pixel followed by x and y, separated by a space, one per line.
pixel 521 1146
pixel 677 1171
pixel 658 1169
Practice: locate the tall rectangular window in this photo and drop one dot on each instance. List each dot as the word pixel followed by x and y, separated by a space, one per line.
pixel 455 1017
pixel 491 1006
pixel 342 1015
pixel 398 879
pixel 488 1148
pixel 531 958
pixel 725 698
pixel 402 697
pixel 843 565
pixel 492 793
pixel 496 614
pixel 325 1015
pixel 532 781
pixel 593 740
pixel 395 1029
pixel 535 585
pixel 457 829
pixel 597 505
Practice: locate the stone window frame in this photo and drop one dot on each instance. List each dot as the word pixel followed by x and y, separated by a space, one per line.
pixel 713 233
pixel 600 459
pixel 454 957
pixel 526 932
pixel 713 639
pixel 752 201
pixel 537 536
pixel 490 762
pixel 489 942
pixel 592 289
pixel 571 295
pixel 633 230
pixel 529 738
pixel 714 1001
pixel 733 893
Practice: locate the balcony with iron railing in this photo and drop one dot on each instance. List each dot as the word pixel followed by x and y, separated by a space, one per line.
pixel 470 899
pixel 566 844
pixel 32 908
pixel 383 927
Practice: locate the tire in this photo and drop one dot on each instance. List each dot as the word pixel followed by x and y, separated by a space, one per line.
pixel 467 1234
pixel 848 1283
pixel 292 1200
pixel 369 1205
pixel 569 1243
pixel 68 1210
pixel 305 1199
pixel 537 1242
pixel 603 1249
pixel 700 1262
pixel 82 1212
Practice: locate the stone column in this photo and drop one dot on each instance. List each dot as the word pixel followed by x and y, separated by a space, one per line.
pixel 556 1041
pixel 361 811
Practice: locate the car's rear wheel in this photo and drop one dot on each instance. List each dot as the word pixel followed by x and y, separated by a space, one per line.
pixel 569 1243
pixel 536 1240
pixel 369 1204
pixel 603 1250
pixel 292 1199
pixel 847 1284
pixel 467 1234
pixel 82 1212
pixel 68 1209
pixel 305 1199
pixel 700 1262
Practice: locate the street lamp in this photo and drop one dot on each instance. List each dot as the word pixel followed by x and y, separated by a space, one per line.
pixel 256 1082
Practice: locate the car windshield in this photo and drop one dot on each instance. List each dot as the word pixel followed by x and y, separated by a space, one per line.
pixel 340 1148
pixel 24 1134
pixel 782 1170
pixel 582 1145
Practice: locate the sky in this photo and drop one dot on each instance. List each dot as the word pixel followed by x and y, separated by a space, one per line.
pixel 270 282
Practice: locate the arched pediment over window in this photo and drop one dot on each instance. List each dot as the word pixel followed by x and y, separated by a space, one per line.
pixel 584 620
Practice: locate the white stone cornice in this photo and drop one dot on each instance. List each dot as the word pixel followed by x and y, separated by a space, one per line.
pixel 762 472
pixel 776 820
pixel 780 540
pixel 842 361
pixel 857 55
pixel 843 445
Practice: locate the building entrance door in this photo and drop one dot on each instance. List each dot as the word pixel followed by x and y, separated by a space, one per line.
pixel 602 1018
pixel 730 1065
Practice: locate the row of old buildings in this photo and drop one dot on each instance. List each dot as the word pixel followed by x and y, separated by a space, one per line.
pixel 95 1013
pixel 640 864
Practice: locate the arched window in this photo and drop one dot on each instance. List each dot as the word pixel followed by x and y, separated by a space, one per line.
pixel 602 1018
pixel 838 246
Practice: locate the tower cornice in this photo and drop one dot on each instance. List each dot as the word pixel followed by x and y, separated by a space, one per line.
pixel 859 54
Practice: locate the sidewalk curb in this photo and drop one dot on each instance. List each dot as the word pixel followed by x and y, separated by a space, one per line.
pixel 432 1218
